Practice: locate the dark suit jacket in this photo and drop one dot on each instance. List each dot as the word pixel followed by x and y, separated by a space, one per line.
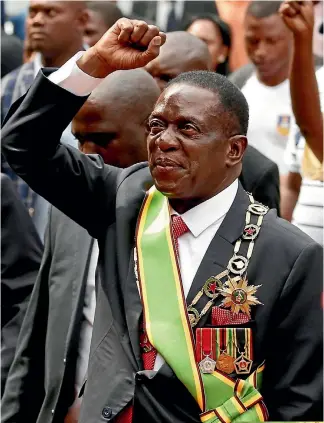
pixel 147 10
pixel 21 254
pixel 42 376
pixel 106 201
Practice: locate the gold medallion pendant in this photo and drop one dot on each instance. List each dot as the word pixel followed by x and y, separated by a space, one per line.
pixel 225 363
pixel 239 296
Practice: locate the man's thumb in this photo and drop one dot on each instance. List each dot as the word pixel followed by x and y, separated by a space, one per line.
pixel 153 48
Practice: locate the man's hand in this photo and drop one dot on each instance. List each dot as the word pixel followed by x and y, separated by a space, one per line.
pixel 299 17
pixel 128 44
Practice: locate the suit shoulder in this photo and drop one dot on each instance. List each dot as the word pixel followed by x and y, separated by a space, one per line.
pixel 286 236
pixel 138 171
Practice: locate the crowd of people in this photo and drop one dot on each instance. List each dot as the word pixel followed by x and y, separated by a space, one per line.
pixel 162 212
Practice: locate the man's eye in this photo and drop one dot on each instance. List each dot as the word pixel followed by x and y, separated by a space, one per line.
pixel 188 127
pixel 154 123
pixel 51 13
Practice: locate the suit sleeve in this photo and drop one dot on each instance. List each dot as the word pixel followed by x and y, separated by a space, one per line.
pixel 267 189
pixel 24 391
pixel 68 179
pixel 293 382
pixel 21 254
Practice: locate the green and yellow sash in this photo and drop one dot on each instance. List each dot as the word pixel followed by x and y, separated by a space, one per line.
pixel 220 398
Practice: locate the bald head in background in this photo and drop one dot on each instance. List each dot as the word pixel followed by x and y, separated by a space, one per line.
pixel 182 52
pixel 112 122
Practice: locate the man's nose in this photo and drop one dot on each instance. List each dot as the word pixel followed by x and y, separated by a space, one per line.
pixel 167 140
pixel 260 52
pixel 38 19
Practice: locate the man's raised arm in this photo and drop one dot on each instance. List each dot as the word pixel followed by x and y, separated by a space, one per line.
pixel 81 186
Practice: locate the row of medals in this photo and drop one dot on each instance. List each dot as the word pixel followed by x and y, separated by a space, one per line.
pixel 227 364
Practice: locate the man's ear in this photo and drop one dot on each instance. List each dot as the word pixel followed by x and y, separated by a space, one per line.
pixel 237 147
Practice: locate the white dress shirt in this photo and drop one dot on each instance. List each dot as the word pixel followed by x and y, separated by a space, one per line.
pixel 203 220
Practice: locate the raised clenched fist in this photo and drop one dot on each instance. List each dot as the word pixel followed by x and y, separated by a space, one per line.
pixel 299 17
pixel 128 44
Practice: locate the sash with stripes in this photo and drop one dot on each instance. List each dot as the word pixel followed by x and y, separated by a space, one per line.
pixel 220 398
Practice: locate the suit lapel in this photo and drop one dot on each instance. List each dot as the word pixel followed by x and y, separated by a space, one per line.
pixel 221 247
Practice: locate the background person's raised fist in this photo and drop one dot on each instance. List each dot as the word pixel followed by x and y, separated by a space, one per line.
pixel 128 44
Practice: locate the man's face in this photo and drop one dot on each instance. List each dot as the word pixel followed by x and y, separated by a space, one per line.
pixel 95 28
pixel 52 24
pixel 187 148
pixel 119 140
pixel 269 45
pixel 169 64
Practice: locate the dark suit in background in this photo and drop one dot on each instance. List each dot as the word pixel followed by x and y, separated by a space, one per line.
pixel 147 10
pixel 106 201
pixel 260 177
pixel 42 377
pixel 21 254
pixel 11 53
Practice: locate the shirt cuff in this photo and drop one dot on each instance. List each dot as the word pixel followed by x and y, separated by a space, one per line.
pixel 73 79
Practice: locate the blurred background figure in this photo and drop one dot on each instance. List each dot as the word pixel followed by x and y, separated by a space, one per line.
pixel 21 255
pixel 102 15
pixel 54 33
pixel 170 15
pixel 217 35
pixel 233 13
pixel 265 82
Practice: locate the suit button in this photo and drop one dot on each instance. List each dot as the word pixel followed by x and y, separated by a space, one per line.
pixel 106 412
pixel 52 411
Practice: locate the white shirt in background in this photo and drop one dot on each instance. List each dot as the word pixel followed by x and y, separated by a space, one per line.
pixel 271 117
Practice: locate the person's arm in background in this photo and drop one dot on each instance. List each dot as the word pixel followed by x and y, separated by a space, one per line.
pixel 291 187
pixel 21 255
pixel 299 18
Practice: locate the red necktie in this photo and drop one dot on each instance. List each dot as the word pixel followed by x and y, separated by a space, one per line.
pixel 178 228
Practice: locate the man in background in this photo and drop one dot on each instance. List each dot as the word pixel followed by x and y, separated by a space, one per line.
pixel 55 32
pixel 21 255
pixel 102 15
pixel 183 52
pixel 53 349
pixel 265 82
pixel 169 15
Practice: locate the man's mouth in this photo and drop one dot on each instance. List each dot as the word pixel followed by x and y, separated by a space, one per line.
pixel 164 162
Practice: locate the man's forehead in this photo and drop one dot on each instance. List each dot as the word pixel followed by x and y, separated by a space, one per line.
pixel 188 99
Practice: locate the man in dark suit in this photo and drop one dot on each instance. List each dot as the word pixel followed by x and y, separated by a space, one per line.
pixel 53 348
pixel 183 52
pixel 21 254
pixel 219 237
pixel 171 15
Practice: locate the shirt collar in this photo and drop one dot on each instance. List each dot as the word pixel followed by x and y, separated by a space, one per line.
pixel 199 218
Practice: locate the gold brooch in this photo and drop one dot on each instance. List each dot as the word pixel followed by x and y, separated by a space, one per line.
pixel 239 296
